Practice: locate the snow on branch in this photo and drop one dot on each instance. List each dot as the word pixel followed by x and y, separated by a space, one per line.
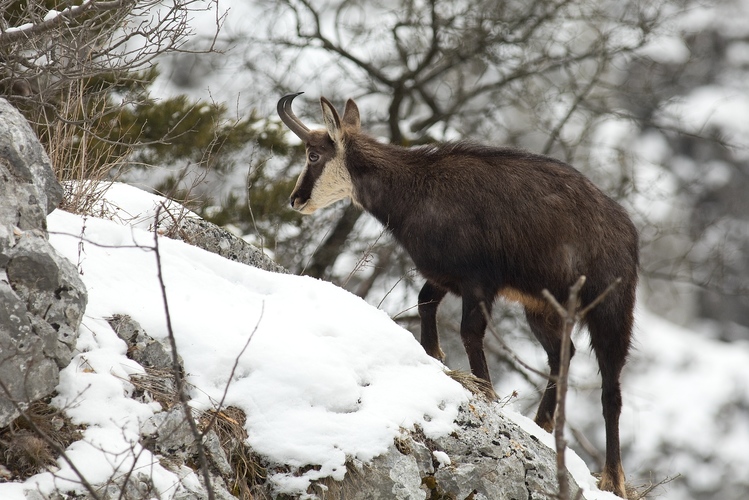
pixel 53 19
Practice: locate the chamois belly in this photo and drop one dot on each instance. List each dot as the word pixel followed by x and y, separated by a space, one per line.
pixel 457 260
pixel 452 265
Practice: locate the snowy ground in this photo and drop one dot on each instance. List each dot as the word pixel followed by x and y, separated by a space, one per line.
pixel 325 376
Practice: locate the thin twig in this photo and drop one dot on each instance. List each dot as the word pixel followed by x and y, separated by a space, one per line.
pixel 643 493
pixel 570 317
pixel 400 278
pixel 514 357
pixel 587 446
pixel 364 259
pixel 234 369
pixel 178 375
pixel 599 299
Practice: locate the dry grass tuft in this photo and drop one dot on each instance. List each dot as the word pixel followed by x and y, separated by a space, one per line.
pixel 478 386
pixel 25 452
pixel 156 384
pixel 249 472
pixel 83 161
pixel 328 488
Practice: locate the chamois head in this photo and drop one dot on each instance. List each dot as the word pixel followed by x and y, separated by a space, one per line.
pixel 324 179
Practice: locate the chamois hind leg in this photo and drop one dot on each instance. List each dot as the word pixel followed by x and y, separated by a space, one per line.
pixel 547 328
pixel 610 326
pixel 430 297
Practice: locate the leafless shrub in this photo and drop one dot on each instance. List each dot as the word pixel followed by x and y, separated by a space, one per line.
pixel 73 72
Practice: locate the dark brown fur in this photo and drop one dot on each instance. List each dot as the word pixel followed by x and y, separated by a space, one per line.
pixel 483 222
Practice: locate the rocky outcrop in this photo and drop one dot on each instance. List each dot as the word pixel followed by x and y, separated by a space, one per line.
pixel 210 237
pixel 488 457
pixel 42 299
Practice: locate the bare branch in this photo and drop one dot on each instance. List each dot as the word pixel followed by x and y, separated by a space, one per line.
pixel 177 369
pixel 514 357
pixel 569 317
pixel 54 22
pixel 599 299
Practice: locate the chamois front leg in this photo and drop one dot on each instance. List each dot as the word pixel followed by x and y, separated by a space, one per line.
pixel 430 297
pixel 472 328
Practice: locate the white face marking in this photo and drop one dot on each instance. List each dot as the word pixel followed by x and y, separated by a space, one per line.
pixel 334 184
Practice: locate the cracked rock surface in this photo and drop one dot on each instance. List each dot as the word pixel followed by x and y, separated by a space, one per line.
pixel 42 299
pixel 210 237
pixel 490 458
pixel 493 458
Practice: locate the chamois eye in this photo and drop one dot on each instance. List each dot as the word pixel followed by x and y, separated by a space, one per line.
pixel 313 157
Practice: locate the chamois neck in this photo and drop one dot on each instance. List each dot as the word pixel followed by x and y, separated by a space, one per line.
pixel 380 174
pixel 366 153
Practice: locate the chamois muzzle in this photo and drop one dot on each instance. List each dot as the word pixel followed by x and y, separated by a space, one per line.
pixel 296 201
pixel 290 119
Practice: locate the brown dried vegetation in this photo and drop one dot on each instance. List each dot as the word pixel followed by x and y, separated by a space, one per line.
pixel 27 444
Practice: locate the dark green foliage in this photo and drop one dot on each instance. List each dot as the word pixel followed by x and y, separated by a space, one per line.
pixel 178 129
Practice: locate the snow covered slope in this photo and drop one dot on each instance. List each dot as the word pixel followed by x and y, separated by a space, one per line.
pixel 323 376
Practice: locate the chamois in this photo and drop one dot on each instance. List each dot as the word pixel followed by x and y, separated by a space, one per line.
pixel 483 222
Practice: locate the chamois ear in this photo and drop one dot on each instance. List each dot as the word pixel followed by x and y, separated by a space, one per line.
pixel 351 115
pixel 332 120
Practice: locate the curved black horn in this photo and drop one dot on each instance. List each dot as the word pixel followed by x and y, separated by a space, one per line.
pixel 289 118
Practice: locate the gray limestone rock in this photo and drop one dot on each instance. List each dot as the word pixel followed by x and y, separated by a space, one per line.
pixel 212 238
pixel 54 294
pixel 26 373
pixel 490 458
pixel 42 297
pixel 25 171
pixel 168 434
pixel 141 347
